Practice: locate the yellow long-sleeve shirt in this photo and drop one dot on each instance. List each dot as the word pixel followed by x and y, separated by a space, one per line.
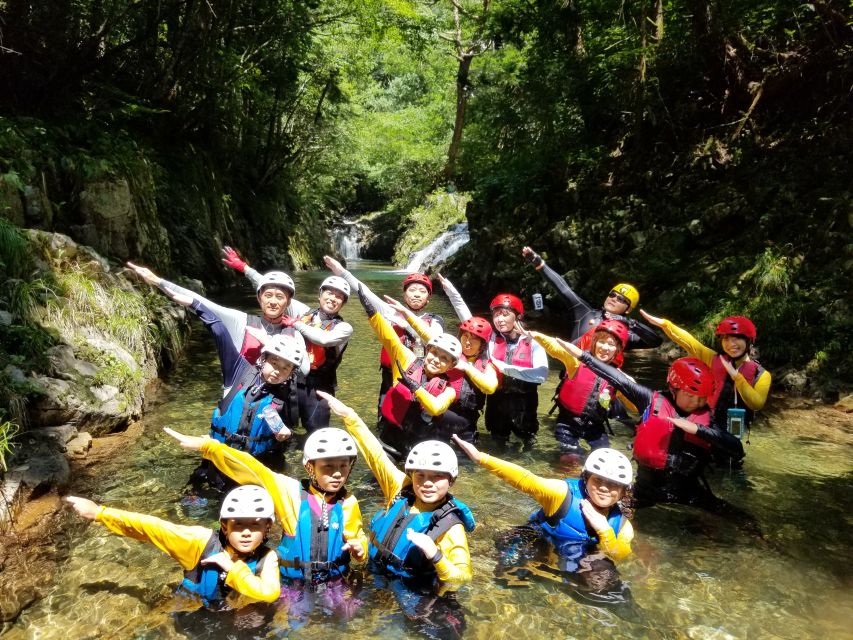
pixel 433 405
pixel 286 492
pixel 454 568
pixel 754 396
pixel 555 350
pixel 550 494
pixel 186 544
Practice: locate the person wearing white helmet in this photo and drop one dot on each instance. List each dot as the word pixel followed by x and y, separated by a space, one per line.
pixel 321 521
pixel 422 530
pixel 423 388
pixel 246 332
pixel 228 568
pixel 577 515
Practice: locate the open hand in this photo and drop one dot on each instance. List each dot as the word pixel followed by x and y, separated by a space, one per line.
pixel 571 347
pixel 441 279
pixel 222 559
pixel 193 443
pixel 337 407
pixel 355 548
pixel 232 259
pixel 333 265
pixel 84 507
pixel 258 334
pixel 658 322
pixel 729 367
pixel 396 305
pixel 685 425
pixel 596 520
pixel 146 274
pixel 470 450
pixel 423 542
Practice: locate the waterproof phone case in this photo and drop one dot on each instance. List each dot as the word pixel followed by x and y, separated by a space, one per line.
pixel 273 420
pixel 736 422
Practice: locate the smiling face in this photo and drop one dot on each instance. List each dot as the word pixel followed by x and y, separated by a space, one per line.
pixel 329 474
pixel 437 361
pixel 275 369
pixel 471 345
pixel 734 345
pixel 504 319
pixel 416 296
pixel 605 346
pixel 331 300
pixel 616 303
pixel 430 487
pixel 687 402
pixel 603 493
pixel 273 302
pixel 245 534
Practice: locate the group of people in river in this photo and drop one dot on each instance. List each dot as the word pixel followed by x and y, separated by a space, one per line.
pixel 279 371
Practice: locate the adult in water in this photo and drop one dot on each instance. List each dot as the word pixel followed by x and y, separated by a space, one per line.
pixel 417 291
pixel 736 374
pixel 326 336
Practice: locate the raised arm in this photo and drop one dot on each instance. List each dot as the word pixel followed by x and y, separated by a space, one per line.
pixel 456 301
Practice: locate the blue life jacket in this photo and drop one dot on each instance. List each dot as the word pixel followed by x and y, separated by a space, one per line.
pixel 567 524
pixel 314 554
pixel 390 549
pixel 237 419
pixel 207 581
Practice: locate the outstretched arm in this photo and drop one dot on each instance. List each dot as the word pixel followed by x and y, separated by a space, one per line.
pixel 456 301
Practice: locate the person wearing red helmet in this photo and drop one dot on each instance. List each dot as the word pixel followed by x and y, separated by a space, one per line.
pixel 742 384
pixel 481 378
pixel 584 398
pixel 417 291
pixel 675 439
pixel 522 366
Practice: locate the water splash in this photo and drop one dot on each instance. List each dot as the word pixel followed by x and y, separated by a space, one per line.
pixel 439 249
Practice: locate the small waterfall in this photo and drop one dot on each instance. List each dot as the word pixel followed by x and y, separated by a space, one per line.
pixel 439 249
pixel 346 239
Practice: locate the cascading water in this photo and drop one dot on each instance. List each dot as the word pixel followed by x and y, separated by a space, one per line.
pixel 439 249
pixel 346 239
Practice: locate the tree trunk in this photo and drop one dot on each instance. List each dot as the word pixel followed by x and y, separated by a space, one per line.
pixel 461 103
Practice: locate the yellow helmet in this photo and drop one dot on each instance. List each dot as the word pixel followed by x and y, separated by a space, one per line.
pixel 630 292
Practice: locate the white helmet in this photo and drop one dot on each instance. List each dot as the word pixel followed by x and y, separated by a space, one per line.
pixel 277 279
pixel 432 455
pixel 286 348
pixel 447 343
pixel 611 464
pixel 328 442
pixel 336 282
pixel 247 501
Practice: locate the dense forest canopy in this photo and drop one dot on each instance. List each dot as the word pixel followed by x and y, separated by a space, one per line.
pixel 697 148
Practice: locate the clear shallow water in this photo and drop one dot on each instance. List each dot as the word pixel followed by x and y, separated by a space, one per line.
pixel 692 575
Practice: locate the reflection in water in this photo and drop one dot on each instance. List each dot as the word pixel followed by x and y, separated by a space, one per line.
pixel 692 574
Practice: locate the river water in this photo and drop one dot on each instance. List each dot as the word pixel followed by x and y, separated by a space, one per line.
pixel 692 574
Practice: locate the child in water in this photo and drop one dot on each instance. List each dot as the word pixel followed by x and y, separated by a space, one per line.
pixel 229 568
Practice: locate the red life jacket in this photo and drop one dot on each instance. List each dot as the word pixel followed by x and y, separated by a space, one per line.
pixel 319 355
pixel 654 433
pixel 585 343
pixel 749 370
pixel 251 349
pixel 470 397
pixel 522 355
pixel 399 400
pixel 579 395
pixel 407 340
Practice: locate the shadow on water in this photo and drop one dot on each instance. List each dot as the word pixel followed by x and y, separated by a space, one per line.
pixel 692 574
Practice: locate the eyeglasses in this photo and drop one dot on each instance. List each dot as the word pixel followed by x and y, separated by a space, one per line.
pixel 619 298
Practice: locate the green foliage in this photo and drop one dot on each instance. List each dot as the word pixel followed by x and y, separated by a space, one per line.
pixel 14 260
pixel 8 431
pixel 439 211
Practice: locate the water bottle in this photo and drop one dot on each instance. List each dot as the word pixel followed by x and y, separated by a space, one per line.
pixel 273 420
pixel 604 398
pixel 538 305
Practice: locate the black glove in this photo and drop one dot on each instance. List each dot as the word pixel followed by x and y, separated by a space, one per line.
pixel 535 259
pixel 407 380
pixel 366 302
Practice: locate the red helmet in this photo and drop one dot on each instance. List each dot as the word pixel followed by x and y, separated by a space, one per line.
pixel 737 326
pixel 417 278
pixel 479 327
pixel 617 329
pixel 507 301
pixel 691 375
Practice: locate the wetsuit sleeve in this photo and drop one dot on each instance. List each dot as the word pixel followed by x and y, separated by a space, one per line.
pixel 297 309
pixel 183 543
pixel 265 587
pixel 548 492
pixel 617 546
pixel 391 341
pixel 553 349
pixel 486 381
pixel 353 524
pixel 756 396
pixel 391 479
pixel 233 320
pixel 642 336
pixel 243 468
pixel 537 374
pixel 454 567
pixel 577 305
pixel 253 276
pixel 722 440
pixel 637 394
pixel 337 336
pixel 230 359
pixel 456 301
pixel 436 405
pixel 687 342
